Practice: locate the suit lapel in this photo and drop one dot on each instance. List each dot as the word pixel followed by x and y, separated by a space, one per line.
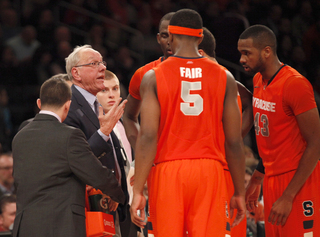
pixel 84 106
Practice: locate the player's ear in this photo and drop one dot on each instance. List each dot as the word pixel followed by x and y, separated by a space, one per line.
pixel 267 51
pixel 200 40
pixel 171 37
pixel 158 38
pixel 201 52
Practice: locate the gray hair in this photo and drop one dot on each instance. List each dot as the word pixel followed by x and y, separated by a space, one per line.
pixel 74 58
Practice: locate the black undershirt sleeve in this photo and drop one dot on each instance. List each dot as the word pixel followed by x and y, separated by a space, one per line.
pixel 260 166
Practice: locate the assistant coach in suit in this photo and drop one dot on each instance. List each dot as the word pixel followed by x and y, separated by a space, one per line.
pixel 86 68
pixel 52 165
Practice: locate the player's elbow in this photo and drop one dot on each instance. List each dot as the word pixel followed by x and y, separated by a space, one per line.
pixel 148 136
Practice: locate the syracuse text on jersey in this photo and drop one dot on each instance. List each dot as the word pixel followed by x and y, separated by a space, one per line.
pixel 264 105
pixel 191 72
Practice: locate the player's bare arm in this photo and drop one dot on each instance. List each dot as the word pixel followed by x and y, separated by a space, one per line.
pixel 234 147
pixel 130 119
pixel 247 113
pixel 146 146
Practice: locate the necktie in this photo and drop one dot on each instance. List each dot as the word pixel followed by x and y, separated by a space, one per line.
pixel 117 166
pixel 96 107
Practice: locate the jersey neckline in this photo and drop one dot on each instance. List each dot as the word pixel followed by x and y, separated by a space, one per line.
pixel 271 79
pixel 187 57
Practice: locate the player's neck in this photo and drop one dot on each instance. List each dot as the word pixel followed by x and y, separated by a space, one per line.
pixel 186 49
pixel 271 70
pixel 187 53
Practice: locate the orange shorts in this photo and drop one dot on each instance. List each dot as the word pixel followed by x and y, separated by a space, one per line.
pixel 188 195
pixel 241 229
pixel 304 218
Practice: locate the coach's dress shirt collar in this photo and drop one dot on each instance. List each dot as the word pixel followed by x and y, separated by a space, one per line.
pixel 50 113
pixel 88 96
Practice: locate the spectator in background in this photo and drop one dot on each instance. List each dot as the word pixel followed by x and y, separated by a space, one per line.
pixel 125 65
pixel 42 64
pixel 298 58
pixel 6 178
pixel 302 21
pixel 311 46
pixel 10 23
pixel 62 33
pixel 6 127
pixel 9 66
pixel 76 18
pixel 45 27
pixel 25 44
pixel 96 36
pixel 8 209
pixel 274 18
pixel 226 29
pixel 63 49
pixel 251 160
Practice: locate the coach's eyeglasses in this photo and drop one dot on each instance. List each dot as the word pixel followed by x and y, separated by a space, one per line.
pixel 6 168
pixel 93 64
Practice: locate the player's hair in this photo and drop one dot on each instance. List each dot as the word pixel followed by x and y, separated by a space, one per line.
pixel 55 92
pixel 109 75
pixel 5 199
pixel 187 18
pixel 262 36
pixel 208 44
pixel 166 17
pixel 64 76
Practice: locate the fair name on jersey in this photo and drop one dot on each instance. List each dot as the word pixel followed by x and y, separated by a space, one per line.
pixel 191 72
pixel 264 105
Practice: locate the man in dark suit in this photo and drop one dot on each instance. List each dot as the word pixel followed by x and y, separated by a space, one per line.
pixel 52 165
pixel 87 69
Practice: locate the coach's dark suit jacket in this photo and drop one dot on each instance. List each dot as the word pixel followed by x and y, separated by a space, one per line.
pixel 52 165
pixel 82 116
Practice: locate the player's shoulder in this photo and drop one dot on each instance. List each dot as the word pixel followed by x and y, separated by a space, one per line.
pixel 293 77
pixel 289 72
pixel 152 64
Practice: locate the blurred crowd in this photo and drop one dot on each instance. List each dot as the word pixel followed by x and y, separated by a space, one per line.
pixel 37 35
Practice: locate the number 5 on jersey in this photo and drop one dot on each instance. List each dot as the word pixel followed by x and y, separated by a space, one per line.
pixel 193 103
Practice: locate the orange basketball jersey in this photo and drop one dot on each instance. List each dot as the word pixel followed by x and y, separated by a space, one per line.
pixel 134 86
pixel 191 95
pixel 275 105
